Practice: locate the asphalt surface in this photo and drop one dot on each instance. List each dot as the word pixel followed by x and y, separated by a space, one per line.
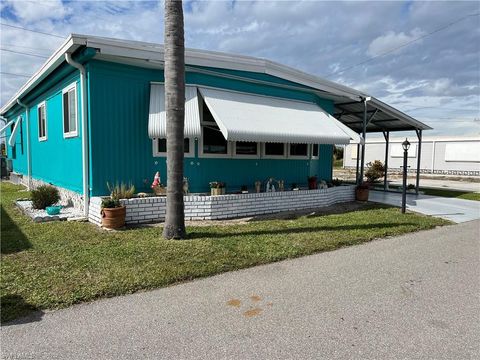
pixel 414 296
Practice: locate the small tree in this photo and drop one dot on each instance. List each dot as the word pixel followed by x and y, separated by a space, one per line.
pixel 375 171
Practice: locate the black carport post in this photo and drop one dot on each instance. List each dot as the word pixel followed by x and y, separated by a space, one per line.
pixel 358 164
pixel 364 131
pixel 419 155
pixel 386 135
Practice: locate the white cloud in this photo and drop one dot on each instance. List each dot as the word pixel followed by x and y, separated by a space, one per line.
pixel 317 37
pixel 33 11
pixel 392 40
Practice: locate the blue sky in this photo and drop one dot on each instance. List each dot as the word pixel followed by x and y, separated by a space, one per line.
pixel 433 75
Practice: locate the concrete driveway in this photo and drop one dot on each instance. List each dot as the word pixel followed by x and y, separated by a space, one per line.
pixel 456 210
pixel 414 296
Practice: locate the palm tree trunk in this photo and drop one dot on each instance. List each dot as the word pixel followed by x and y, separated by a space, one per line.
pixel 175 111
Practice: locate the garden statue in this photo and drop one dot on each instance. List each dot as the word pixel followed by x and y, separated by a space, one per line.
pixel 281 185
pixel 156 180
pixel 157 186
pixel 185 186
pixel 323 185
pixel 258 186
pixel 268 186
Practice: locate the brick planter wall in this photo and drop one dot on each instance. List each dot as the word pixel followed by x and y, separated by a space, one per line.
pixel 203 207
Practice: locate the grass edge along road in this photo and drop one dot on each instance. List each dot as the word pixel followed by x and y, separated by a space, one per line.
pixel 57 264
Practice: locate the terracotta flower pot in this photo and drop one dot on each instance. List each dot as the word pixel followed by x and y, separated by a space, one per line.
pixel 113 218
pixel 361 194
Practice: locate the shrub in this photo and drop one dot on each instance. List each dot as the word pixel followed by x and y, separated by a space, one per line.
pixel 44 196
pixel 110 203
pixel 375 171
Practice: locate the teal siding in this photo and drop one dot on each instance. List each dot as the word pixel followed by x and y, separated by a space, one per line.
pixel 20 161
pixel 57 160
pixel 121 150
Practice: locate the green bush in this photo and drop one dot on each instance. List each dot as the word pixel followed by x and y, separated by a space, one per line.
pixel 375 171
pixel 44 196
pixel 109 203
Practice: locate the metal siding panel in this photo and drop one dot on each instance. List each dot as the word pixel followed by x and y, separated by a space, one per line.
pixel 122 150
pixel 157 123
pixel 57 160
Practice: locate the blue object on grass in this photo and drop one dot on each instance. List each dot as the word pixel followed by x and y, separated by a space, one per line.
pixel 53 210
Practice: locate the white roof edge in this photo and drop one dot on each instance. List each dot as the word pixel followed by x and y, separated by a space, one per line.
pixel 440 138
pixel 154 52
pixel 70 44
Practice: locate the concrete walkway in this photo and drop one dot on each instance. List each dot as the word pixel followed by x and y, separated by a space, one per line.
pixel 456 210
pixel 415 296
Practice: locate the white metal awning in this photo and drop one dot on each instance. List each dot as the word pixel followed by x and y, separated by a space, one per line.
pixel 13 135
pixel 157 122
pixel 247 117
pixel 5 127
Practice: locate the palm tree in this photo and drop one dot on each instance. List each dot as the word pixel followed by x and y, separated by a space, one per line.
pixel 175 108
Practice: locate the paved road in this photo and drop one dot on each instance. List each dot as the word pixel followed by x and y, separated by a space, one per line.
pixel 414 296
pixel 456 210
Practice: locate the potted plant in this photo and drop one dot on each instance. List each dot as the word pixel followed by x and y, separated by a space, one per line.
pixel 113 212
pixel 217 188
pixel 312 182
pixel 361 192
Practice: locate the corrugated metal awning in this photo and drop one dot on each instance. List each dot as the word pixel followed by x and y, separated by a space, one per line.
pixel 247 117
pixel 13 135
pixel 157 123
pixel 5 127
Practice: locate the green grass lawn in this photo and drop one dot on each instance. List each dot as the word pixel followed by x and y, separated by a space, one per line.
pixel 57 264
pixel 452 193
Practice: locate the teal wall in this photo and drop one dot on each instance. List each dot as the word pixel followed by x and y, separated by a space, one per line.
pixel 20 161
pixel 119 98
pixel 57 160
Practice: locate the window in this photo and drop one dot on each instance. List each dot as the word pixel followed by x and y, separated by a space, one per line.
pixel 42 122
pixel 213 142
pixel 70 111
pixel 274 150
pixel 298 149
pixel 160 147
pixel 315 151
pixel 246 148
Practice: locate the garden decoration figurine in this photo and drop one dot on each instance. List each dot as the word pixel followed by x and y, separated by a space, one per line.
pixel 281 185
pixel 268 186
pixel 157 186
pixel 185 186
pixel 258 186
pixel 323 185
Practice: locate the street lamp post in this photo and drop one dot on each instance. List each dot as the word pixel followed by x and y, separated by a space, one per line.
pixel 406 146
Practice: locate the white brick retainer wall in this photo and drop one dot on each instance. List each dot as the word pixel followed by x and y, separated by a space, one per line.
pixel 203 207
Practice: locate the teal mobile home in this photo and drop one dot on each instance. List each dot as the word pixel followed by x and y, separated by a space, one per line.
pixel 94 113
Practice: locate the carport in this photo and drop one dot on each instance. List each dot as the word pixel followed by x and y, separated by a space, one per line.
pixel 370 115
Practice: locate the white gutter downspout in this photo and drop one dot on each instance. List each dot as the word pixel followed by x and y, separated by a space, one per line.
pixel 83 96
pixel 29 155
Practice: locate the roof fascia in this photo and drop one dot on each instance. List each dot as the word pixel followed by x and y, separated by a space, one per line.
pixel 69 45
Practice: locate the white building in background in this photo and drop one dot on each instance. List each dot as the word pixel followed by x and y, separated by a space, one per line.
pixel 452 155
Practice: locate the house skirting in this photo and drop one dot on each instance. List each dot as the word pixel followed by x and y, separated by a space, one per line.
pixel 68 198
pixel 203 207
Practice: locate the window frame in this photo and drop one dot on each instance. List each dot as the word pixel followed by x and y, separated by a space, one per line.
pixel 67 89
pixel 315 157
pixel 306 156
pixel 246 156
pixel 265 156
pixel 157 153
pixel 44 105
pixel 200 142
